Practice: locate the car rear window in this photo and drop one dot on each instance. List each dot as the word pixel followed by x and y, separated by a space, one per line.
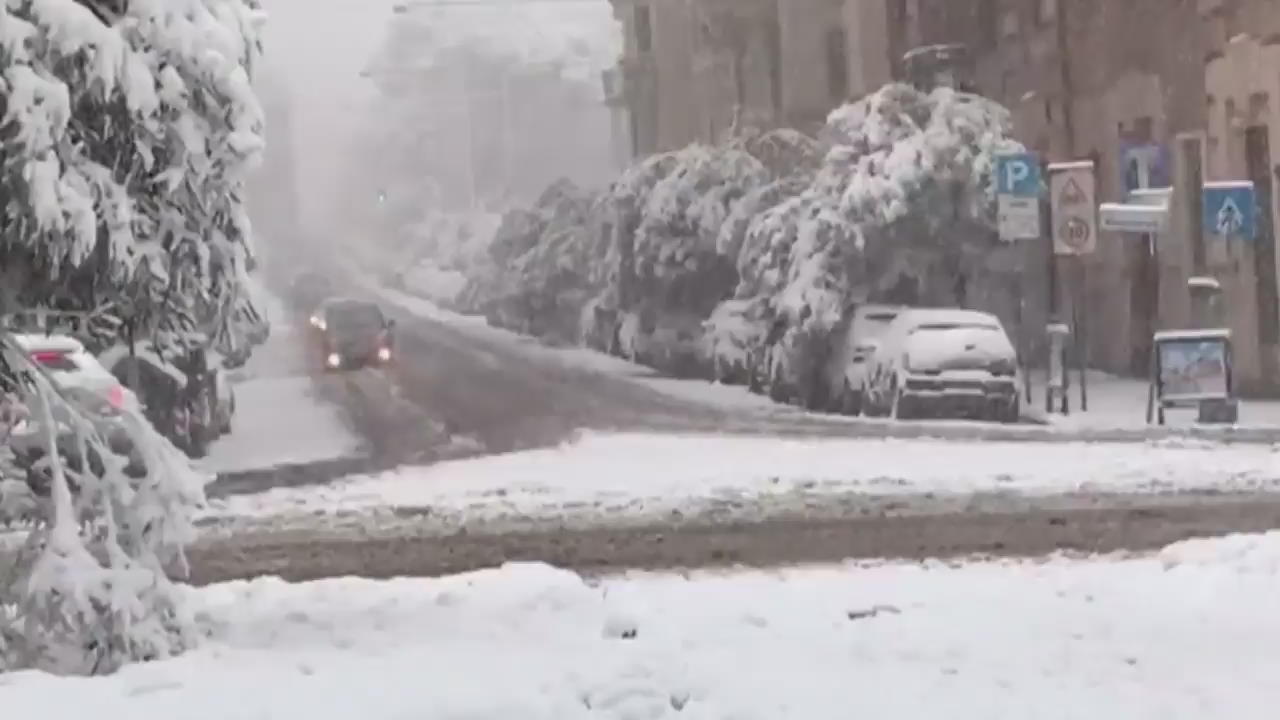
pixel 55 360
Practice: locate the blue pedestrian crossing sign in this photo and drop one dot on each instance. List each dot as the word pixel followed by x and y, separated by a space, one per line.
pixel 1018 175
pixel 1230 210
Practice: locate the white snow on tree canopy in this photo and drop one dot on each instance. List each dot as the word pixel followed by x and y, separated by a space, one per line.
pixel 893 146
pixel 127 140
pixel 581 38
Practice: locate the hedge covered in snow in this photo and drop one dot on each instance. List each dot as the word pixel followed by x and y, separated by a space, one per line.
pixel 763 242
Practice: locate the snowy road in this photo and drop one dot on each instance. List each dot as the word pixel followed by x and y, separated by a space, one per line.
pixel 857 528
pixel 986 489
pixel 457 376
pixel 656 501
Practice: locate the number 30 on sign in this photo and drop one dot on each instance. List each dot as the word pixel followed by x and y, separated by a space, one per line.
pixel 1072 192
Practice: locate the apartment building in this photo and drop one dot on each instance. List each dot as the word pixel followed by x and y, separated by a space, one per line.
pixel 690 69
pixel 1156 92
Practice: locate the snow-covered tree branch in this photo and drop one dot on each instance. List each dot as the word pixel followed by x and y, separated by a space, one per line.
pixel 127 129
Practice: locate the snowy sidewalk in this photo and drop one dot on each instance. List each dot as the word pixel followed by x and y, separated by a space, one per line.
pixel 279 420
pixel 1121 403
pixel 635 478
pixel 1189 633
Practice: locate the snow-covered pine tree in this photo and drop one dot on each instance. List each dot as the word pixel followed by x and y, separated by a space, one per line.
pixel 128 128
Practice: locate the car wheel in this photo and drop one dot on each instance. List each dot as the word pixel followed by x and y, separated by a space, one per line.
pixel 851 402
pixel 1011 412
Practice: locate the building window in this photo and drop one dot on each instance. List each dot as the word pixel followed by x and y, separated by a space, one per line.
pixel 1144 129
pixel 837 64
pixel 1046 11
pixel 644 29
pixel 1009 24
pixel 989 23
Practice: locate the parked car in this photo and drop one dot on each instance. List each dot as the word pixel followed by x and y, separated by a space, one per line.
pixel 174 400
pixel 790 366
pixel 670 342
pixel 84 381
pixel 853 351
pixel 79 373
pixel 945 361
pixel 353 334
pixel 733 337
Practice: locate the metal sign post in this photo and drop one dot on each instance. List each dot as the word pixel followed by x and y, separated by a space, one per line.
pixel 1074 209
pixel 1018 197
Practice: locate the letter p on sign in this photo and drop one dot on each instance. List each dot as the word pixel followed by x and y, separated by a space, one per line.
pixel 1018 175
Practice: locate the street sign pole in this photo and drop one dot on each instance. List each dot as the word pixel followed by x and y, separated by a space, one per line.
pixel 1074 229
pixel 1019 194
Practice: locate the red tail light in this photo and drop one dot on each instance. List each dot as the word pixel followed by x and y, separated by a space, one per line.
pixel 48 357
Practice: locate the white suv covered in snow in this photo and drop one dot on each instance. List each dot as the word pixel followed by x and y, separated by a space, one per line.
pixel 78 373
pixel 83 380
pixel 934 362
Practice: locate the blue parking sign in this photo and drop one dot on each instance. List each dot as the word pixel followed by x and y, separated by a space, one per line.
pixel 1018 175
pixel 1230 210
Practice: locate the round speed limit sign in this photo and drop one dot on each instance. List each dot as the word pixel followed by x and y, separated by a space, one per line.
pixel 1074 233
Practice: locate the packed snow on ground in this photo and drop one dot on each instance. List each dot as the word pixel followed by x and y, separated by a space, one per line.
pixel 279 419
pixel 616 478
pixel 1118 402
pixel 1190 632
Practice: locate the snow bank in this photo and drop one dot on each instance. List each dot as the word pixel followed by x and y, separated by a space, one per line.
pixel 607 478
pixel 1055 638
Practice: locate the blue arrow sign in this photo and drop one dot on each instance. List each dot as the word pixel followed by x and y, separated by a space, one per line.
pixel 1230 210
pixel 1018 175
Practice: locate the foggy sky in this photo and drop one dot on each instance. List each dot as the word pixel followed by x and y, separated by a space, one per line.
pixel 314 52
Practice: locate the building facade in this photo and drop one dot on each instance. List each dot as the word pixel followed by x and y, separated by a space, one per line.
pixel 1156 92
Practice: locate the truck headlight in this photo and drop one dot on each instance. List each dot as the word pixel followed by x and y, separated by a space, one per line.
pixel 333 360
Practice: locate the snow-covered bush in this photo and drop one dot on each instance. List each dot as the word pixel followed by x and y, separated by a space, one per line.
pixel 912 173
pixel 544 265
pixel 903 198
pixel 128 131
pixel 681 218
